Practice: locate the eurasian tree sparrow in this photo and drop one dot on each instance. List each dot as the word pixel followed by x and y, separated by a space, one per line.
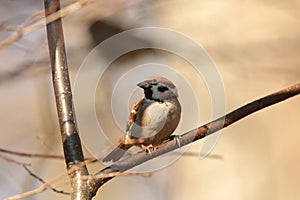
pixel 152 119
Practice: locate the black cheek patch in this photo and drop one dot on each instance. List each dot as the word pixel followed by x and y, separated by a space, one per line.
pixel 162 88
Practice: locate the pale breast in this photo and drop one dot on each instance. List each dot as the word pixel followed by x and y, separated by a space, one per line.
pixel 156 121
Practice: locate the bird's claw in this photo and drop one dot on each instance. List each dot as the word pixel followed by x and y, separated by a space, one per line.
pixel 149 149
pixel 177 140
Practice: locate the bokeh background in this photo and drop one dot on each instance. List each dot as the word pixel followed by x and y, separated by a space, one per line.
pixel 255 46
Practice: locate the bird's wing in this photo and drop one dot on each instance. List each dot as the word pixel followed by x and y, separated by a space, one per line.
pixel 133 114
pixel 149 121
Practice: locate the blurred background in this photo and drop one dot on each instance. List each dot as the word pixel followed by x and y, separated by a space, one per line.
pixel 255 46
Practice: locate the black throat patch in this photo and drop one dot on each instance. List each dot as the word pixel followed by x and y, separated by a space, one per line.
pixel 148 95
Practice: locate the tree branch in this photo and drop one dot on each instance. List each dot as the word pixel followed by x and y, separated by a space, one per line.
pixel 194 135
pixel 64 103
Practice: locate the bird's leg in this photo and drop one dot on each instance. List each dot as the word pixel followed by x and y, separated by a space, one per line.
pixel 149 148
pixel 177 140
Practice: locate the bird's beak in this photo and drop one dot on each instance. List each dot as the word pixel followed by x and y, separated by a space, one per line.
pixel 143 85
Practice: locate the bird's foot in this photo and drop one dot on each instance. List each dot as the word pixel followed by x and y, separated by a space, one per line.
pixel 149 149
pixel 177 139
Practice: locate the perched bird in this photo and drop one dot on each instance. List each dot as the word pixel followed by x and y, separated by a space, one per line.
pixel 152 119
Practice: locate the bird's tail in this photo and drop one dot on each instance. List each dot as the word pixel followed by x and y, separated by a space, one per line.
pixel 117 153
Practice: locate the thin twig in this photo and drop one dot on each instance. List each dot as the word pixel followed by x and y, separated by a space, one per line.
pixel 28 194
pixel 24 165
pixel 46 185
pixel 50 184
pixel 38 190
pixel 194 135
pixel 38 155
pixel 44 182
pixel 27 27
pixel 13 161
pixel 34 155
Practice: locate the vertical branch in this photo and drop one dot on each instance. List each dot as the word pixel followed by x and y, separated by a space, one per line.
pixel 64 103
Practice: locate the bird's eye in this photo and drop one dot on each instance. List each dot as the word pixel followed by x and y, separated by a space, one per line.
pixel 162 88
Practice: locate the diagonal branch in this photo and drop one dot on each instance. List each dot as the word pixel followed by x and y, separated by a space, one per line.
pixel 195 134
pixel 63 95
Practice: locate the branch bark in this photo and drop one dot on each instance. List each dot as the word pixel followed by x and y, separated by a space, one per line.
pixel 64 103
pixel 194 135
